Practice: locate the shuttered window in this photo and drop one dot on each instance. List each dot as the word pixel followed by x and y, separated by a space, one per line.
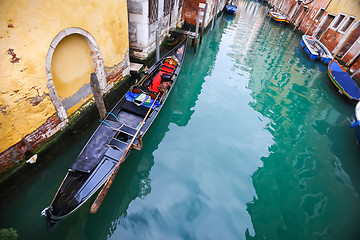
pixel 347 24
pixel 168 6
pixel 153 10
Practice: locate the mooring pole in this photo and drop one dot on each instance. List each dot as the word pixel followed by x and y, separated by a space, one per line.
pixel 157 45
pixel 355 73
pixel 98 96
pixel 196 30
pixel 215 15
pixel 203 23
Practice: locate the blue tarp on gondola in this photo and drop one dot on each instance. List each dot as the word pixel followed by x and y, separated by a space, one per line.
pixel 130 96
pixel 344 80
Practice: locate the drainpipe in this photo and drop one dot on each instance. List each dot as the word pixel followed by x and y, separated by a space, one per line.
pixel 203 23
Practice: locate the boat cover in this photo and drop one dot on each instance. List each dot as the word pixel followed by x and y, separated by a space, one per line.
pixel 344 80
pixel 130 96
pixel 91 155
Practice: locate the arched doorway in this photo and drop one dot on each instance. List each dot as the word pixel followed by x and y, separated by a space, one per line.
pixel 62 106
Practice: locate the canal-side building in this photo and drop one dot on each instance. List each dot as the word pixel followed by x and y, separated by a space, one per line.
pixel 49 49
pixel 334 23
pixel 148 17
pixel 191 8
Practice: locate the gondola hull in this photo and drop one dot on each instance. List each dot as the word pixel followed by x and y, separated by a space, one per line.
pixel 108 143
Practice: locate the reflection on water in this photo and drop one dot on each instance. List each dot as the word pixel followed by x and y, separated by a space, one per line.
pixel 253 143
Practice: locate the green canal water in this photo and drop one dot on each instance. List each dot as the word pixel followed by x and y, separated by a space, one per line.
pixel 253 143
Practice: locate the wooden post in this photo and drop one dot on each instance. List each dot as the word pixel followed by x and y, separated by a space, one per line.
pixel 196 30
pixel 215 15
pixel 95 87
pixel 157 45
pixel 203 23
pixel 355 73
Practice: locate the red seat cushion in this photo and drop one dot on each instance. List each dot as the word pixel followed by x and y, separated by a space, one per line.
pixel 156 82
pixel 169 65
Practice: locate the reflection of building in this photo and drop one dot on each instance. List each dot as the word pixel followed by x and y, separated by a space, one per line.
pixel 335 23
pixel 49 50
pixel 298 186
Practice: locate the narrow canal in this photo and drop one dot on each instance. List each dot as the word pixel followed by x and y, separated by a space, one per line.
pixel 253 143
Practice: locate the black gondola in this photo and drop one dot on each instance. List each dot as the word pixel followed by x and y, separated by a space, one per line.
pixel 113 136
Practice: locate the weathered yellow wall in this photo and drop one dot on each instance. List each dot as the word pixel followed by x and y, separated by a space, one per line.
pixel 28 27
pixel 349 7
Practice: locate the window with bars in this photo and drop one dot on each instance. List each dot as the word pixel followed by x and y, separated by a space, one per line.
pixel 168 6
pixel 313 14
pixel 153 10
pixel 347 24
pixel 320 13
pixel 339 19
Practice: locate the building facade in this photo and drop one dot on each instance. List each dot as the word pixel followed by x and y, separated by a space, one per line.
pixel 148 16
pixel 191 8
pixel 49 49
pixel 335 23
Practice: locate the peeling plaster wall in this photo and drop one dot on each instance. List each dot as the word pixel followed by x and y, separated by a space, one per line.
pixel 349 7
pixel 26 32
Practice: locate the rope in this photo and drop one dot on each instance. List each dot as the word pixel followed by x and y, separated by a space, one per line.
pixel 114 116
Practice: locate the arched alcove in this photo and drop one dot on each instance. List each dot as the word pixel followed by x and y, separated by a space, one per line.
pixel 96 58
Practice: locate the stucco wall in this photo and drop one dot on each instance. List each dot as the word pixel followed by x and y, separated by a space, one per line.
pixel 350 7
pixel 26 32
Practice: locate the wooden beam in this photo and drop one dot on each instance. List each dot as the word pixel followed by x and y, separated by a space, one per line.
pixel 98 96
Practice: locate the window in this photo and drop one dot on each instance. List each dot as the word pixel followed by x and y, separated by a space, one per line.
pixel 347 24
pixel 167 7
pixel 320 13
pixel 153 11
pixel 313 14
pixel 338 20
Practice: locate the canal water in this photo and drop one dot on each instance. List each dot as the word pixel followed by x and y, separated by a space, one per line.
pixel 253 143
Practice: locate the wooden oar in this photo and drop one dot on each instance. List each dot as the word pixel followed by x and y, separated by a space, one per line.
pixel 101 196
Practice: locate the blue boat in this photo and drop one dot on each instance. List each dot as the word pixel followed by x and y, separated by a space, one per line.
pixel 231 8
pixel 356 124
pixel 315 49
pixel 343 81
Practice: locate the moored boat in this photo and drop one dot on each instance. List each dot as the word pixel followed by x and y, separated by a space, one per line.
pixel 356 124
pixel 278 17
pixel 230 8
pixel 343 81
pixel 117 134
pixel 315 49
